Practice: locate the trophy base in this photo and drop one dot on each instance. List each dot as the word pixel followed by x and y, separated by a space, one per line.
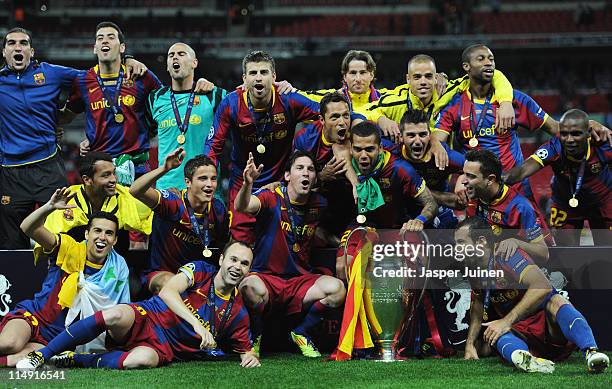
pixel 387 352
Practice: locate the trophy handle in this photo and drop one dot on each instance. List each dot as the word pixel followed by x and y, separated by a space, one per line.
pixel 345 247
pixel 425 239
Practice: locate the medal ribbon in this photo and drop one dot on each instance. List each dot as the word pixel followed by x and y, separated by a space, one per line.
pixel 228 310
pixel 483 114
pixel 579 178
pixel 259 129
pixel 297 232
pixel 347 96
pixel 487 297
pixel 195 226
pixel 112 102
pixel 182 125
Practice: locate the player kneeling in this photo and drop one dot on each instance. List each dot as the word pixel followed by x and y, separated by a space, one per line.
pixel 173 326
pixel 527 320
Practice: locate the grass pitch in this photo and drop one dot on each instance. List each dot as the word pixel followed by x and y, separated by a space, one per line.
pixel 294 371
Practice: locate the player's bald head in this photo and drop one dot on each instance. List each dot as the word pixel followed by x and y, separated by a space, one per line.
pixel 421 58
pixel 466 55
pixel 575 115
pixel 180 46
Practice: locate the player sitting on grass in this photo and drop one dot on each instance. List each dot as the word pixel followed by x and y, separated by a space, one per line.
pixel 526 319
pixel 287 219
pixel 173 326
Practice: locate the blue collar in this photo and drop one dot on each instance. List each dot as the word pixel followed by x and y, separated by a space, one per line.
pixel 5 71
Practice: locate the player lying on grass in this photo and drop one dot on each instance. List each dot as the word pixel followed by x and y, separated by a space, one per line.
pixel 176 325
pixel 526 319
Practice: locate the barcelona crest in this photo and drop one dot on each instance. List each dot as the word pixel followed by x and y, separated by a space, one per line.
pixel 39 78
pixel 279 118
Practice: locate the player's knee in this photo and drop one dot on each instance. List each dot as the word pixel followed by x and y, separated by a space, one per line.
pixel 337 293
pixel 10 345
pixel 140 361
pixel 112 316
pixel 252 291
pixel 555 303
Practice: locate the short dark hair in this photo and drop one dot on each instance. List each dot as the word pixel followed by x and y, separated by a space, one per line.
pixel 88 162
pixel 467 52
pixel 257 56
pixel 358 55
pixel 233 242
pixel 421 58
pixel 332 97
pixel 365 129
pixel 478 227
pixel 576 114
pixel 194 163
pixel 111 25
pixel 298 154
pixel 18 29
pixel 489 162
pixel 103 215
pixel 414 116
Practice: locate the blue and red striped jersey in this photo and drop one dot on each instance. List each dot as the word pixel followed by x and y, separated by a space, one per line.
pixel 511 215
pixel 596 190
pixel 399 184
pixel 179 334
pixel 460 117
pixel 234 121
pixel 311 139
pixel 508 290
pixel 173 241
pixel 275 239
pixel 103 132
pixel 436 179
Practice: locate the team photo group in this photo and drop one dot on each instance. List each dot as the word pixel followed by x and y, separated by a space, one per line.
pixel 251 183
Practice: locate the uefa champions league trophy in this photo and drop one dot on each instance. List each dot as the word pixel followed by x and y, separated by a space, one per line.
pixel 393 294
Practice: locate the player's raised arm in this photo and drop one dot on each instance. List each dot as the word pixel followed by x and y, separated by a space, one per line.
pixel 33 225
pixel 142 188
pixel 518 173
pixel 171 296
pixel 245 201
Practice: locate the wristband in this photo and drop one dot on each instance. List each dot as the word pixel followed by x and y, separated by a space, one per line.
pixel 421 218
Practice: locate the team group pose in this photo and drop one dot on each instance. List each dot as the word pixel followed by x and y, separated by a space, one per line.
pixel 306 169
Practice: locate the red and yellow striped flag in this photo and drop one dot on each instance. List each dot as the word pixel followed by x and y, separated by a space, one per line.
pixel 358 317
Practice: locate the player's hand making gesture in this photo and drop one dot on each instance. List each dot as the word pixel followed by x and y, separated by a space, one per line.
pixel 174 159
pixel 251 173
pixel 61 198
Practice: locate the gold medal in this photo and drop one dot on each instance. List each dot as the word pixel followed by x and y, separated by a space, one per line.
pixel 473 142
pixel 261 148
pixel 296 247
pixel 361 219
pixel 573 202
pixel 119 117
pixel 485 317
pixel 180 138
pixel 207 253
